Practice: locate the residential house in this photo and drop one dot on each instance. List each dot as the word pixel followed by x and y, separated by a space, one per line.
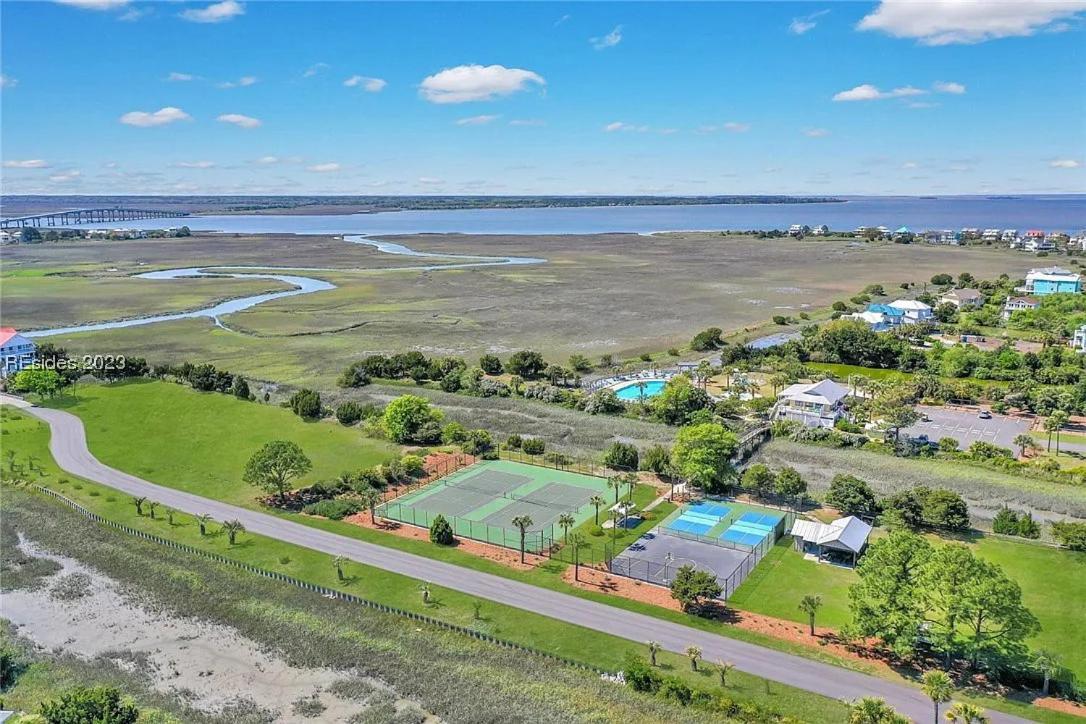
pixel 991 235
pixel 821 230
pixel 815 404
pixel 1009 236
pixel 16 351
pixel 1078 341
pixel 844 538
pixel 1078 241
pixel 1038 245
pixel 969 234
pixel 912 310
pixel 799 230
pixel 902 233
pixel 8 237
pixel 963 298
pixel 1014 304
pixel 1052 280
pixel 877 321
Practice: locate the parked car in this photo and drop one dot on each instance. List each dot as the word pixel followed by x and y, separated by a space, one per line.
pixel 984 415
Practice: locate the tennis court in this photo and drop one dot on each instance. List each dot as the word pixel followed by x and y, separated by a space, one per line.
pixel 481 501
pixel 751 528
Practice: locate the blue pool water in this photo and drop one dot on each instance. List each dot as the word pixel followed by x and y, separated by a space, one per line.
pixel 632 391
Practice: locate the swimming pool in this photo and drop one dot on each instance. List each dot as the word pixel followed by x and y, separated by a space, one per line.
pixel 632 391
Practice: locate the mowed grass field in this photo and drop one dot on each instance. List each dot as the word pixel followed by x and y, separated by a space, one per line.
pixel 621 294
pixel 1053 586
pixel 200 441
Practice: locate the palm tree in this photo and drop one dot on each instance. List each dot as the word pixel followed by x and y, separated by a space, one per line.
pixel 232 528
pixel 1048 664
pixel 654 648
pixel 615 515
pixel 723 668
pixel 522 523
pixel 630 479
pixel 337 563
pixel 10 454
pixel 151 505
pixel 693 653
pixel 370 497
pixel 966 714
pixel 1053 424
pixel 1024 442
pixel 424 589
pixel 873 710
pixel 810 605
pixel 138 501
pixel 565 522
pixel 616 483
pixel 575 542
pixel 939 688
pixel 202 520
pixel 597 501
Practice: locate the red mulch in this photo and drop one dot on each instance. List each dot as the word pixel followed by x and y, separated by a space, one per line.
pixel 1060 705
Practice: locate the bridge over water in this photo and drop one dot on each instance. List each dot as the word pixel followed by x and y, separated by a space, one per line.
pixel 87 216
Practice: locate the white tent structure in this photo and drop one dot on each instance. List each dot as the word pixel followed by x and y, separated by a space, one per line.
pixel 847 536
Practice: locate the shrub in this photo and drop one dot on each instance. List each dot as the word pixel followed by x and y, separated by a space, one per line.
pixel 526 364
pixel 306 404
pixel 410 419
pixel 454 433
pixel 640 676
pixel 945 509
pixel 707 340
pixel 95 704
pixel 441 533
pixel 349 412
pixel 1070 534
pixel 621 456
pixel 533 446
pixel 645 357
pixel 513 442
pixel 491 364
pixel 656 459
pixel 948 445
pixel 412 465
pixel 676 690
pixel 477 442
pixel 780 319
pixel 851 496
pixel 335 509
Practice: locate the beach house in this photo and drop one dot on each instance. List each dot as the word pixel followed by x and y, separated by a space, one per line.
pixel 911 311
pixel 963 298
pixel 814 404
pixel 1014 304
pixel 843 540
pixel 1078 341
pixel 16 351
pixel 1052 280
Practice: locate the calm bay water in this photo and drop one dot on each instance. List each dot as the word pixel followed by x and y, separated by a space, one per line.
pixel 1051 213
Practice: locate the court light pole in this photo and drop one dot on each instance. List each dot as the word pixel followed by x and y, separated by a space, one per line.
pixel 667 560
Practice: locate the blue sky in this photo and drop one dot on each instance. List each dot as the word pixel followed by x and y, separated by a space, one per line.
pixel 892 97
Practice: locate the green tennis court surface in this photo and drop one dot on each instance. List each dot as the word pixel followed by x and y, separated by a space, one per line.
pixel 481 501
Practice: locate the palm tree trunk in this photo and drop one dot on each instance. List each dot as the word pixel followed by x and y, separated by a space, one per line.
pixel 1044 687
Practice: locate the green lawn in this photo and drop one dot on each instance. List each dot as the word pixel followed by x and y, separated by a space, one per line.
pixel 200 441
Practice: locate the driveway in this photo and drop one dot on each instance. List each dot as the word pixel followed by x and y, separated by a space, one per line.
pixel 69 447
pixel 966 427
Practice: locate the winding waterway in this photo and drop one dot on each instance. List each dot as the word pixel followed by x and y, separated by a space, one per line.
pixel 299 284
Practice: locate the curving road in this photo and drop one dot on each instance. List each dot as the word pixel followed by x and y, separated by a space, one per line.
pixel 69 447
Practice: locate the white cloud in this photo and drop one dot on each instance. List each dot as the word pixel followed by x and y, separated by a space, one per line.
pixel 909 164
pixel 242 82
pixel 214 13
pixel 801 25
pixel 946 86
pixel 239 120
pixel 95 4
pixel 735 127
pixel 476 120
pixel 133 14
pixel 370 85
pixel 815 132
pixel 6 81
pixel 868 92
pixel 176 77
pixel 65 176
pixel 161 117
pixel 430 181
pixel 562 19
pixel 527 122
pixel 28 163
pixel 324 168
pixel 315 69
pixel 267 160
pixel 944 22
pixel 922 104
pixel 1064 163
pixel 610 40
pixel 194 164
pixel 620 126
pixel 466 83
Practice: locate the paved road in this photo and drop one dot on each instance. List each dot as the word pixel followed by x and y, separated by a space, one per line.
pixel 69 447
pixel 966 427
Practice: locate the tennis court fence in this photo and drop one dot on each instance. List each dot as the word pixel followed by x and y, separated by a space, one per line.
pixel 535 541
pixel 718 542
pixel 444 467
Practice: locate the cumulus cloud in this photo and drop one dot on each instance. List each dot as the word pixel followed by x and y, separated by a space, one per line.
pixel 466 83
pixel 28 163
pixel 610 40
pixel 801 25
pixel 65 176
pixel 430 181
pixel 370 85
pixel 946 86
pixel 621 126
pixel 95 4
pixel 1064 163
pixel 176 77
pixel 868 92
pixel 324 168
pixel 242 82
pixel 215 13
pixel 815 132
pixel 161 117
pixel 194 164
pixel 476 120
pixel 239 120
pixel 315 69
pixel 735 127
pixel 267 160
pixel 527 122
pixel 945 22
pixel 6 81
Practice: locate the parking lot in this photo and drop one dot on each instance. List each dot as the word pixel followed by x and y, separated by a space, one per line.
pixel 966 427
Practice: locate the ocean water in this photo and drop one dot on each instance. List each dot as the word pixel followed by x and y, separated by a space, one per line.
pixel 1050 213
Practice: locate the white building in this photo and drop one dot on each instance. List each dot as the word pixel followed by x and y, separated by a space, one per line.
pixel 845 537
pixel 815 404
pixel 821 230
pixel 877 321
pixel 1010 236
pixel 991 235
pixel 1014 304
pixel 1078 342
pixel 912 310
pixel 963 298
pixel 16 351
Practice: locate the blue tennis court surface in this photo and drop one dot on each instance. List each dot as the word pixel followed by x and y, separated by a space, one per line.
pixel 736 535
pixel 711 510
pixel 687 525
pixel 766 520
